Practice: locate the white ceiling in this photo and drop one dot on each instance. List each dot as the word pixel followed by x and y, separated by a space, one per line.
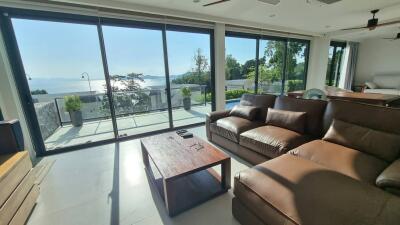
pixel 304 16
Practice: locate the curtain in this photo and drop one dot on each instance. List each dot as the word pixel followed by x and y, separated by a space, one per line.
pixel 351 64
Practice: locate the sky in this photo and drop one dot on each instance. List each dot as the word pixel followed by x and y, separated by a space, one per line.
pixel 62 50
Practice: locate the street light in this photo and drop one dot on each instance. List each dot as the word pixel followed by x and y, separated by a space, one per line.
pixel 88 79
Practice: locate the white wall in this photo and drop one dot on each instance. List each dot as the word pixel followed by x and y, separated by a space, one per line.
pixel 9 100
pixel 377 56
pixel 318 62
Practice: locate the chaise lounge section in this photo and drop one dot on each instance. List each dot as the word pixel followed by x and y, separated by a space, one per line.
pixel 350 176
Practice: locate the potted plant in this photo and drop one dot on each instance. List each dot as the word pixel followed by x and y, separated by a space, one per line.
pixel 73 106
pixel 186 93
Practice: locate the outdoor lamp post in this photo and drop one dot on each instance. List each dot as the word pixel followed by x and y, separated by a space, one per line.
pixel 88 79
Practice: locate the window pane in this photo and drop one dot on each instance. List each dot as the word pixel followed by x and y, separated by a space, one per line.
pixel 240 68
pixel 190 76
pixel 296 66
pixel 271 66
pixel 64 59
pixel 136 63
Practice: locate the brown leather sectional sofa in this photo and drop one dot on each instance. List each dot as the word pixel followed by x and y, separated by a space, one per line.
pixel 343 169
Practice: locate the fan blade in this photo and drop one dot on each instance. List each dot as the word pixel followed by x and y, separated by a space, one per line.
pixel 388 23
pixel 217 2
pixel 355 28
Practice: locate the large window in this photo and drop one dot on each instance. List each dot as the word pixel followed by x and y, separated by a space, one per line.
pixel 336 50
pixel 240 68
pixel 268 65
pixel 64 70
pixel 189 60
pixel 87 80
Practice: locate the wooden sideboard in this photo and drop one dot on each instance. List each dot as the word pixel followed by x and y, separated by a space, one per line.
pixel 18 191
pixel 369 98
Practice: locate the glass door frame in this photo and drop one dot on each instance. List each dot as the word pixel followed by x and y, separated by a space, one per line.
pixel 286 41
pixel 21 80
pixel 331 76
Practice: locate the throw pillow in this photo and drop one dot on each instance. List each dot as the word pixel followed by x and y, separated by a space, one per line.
pixel 246 112
pixel 295 121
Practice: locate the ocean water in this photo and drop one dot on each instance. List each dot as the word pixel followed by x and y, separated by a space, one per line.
pixel 54 86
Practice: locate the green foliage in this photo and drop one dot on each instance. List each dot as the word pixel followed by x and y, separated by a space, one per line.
pixel 233 68
pixel 186 92
pixel 295 85
pixel 39 92
pixel 72 103
pixel 234 94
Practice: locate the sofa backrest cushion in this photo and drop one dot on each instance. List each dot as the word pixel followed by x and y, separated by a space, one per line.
pixel 389 81
pixel 245 112
pixel 295 121
pixel 260 101
pixel 313 108
pixel 383 145
pixel 374 117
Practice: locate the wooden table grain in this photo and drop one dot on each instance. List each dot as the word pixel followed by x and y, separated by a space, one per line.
pixel 184 166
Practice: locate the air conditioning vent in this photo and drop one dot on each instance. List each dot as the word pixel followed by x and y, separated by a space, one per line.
pixel 329 1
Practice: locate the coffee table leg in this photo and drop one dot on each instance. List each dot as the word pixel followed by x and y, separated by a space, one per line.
pixel 145 157
pixel 226 174
pixel 169 204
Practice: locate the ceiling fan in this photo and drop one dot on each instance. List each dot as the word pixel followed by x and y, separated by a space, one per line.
pixel 395 38
pixel 373 23
pixel 273 2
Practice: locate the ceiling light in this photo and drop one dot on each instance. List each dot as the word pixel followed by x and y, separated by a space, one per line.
pixel 272 15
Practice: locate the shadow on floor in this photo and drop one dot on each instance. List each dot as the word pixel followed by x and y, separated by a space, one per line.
pixel 114 194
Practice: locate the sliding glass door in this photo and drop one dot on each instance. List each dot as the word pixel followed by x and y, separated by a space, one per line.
pixel 64 71
pixel 240 68
pixel 189 59
pixel 336 51
pixel 87 80
pixel 279 65
pixel 137 72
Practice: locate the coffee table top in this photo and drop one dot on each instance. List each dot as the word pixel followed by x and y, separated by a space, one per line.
pixel 174 156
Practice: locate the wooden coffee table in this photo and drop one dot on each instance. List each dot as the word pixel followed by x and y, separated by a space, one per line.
pixel 181 169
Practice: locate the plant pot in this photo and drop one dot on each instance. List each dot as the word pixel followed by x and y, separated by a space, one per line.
pixel 187 103
pixel 76 118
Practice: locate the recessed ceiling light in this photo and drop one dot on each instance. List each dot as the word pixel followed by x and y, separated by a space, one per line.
pixel 328 26
pixel 196 1
pixel 272 15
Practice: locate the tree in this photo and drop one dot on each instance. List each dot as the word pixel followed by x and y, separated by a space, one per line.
pixel 248 66
pixel 200 63
pixel 199 74
pixel 232 68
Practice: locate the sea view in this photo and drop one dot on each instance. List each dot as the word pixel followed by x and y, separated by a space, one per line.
pixel 54 86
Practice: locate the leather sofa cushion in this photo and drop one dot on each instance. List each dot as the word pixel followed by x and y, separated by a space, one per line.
pixel 314 108
pixel 260 101
pixel 245 112
pixel 231 127
pixel 307 193
pixel 380 144
pixel 389 179
pixel 271 141
pixel 380 118
pixel 294 121
pixel 347 161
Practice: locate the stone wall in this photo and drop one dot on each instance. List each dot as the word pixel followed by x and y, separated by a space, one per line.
pixel 47 116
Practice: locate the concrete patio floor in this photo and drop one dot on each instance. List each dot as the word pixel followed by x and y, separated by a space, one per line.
pixel 130 125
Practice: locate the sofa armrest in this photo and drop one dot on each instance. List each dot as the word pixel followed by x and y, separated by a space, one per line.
pixel 212 117
pixel 389 179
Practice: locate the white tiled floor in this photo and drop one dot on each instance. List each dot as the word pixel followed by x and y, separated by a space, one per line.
pixel 107 185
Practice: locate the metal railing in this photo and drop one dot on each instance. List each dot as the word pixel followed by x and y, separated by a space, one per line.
pixel 127 103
